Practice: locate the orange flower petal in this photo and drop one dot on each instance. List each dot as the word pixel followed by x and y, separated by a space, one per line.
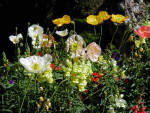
pixel 59 22
pixel 66 19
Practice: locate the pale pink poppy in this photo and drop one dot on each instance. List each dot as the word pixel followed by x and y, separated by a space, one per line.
pixel 143 31
pixel 93 51
pixel 75 45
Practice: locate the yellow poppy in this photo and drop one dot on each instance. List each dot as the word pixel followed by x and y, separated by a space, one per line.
pixel 66 19
pixel 104 15
pixel 61 21
pixel 99 19
pixel 118 18
pixel 92 19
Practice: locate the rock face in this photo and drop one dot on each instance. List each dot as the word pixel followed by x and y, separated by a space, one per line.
pixel 87 7
pixel 137 11
pixel 73 7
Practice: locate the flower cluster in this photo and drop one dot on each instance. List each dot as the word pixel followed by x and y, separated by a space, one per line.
pixel 102 16
pixel 118 102
pixel 110 78
pixel 104 63
pixel 136 109
pixel 38 38
pixel 97 19
pixel 78 72
pixel 96 76
pixel 75 44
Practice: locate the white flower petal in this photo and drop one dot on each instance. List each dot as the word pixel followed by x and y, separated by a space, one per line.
pixel 36 64
pixel 19 36
pixel 34 31
pixel 47 57
pixel 62 33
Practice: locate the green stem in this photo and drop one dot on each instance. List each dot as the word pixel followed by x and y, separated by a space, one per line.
pixel 114 35
pixel 93 93
pixel 146 49
pixel 22 102
pixel 54 30
pixel 104 106
pixel 16 47
pixel 35 84
pixel 94 30
pixel 26 38
pixel 24 98
pixel 2 99
pixel 58 88
pixel 100 34
pixel 74 27
pixel 123 39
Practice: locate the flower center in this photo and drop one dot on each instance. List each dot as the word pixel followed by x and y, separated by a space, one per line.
pixel 63 33
pixel 15 40
pixel 35 28
pixel 35 66
pixel 75 46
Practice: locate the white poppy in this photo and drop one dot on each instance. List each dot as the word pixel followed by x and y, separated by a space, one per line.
pixel 38 42
pixel 36 64
pixel 15 39
pixel 19 36
pixel 35 31
pixel 62 33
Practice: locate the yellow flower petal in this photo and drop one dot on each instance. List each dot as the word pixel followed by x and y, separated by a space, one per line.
pixel 119 18
pixel 104 15
pixel 66 19
pixel 92 19
pixel 99 19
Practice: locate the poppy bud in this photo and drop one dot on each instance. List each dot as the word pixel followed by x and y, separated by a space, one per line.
pixel 39 105
pixel 41 99
pixel 130 38
pixel 47 108
pixel 136 54
pixel 41 89
pixel 140 56
pixel 141 49
pixel 49 104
